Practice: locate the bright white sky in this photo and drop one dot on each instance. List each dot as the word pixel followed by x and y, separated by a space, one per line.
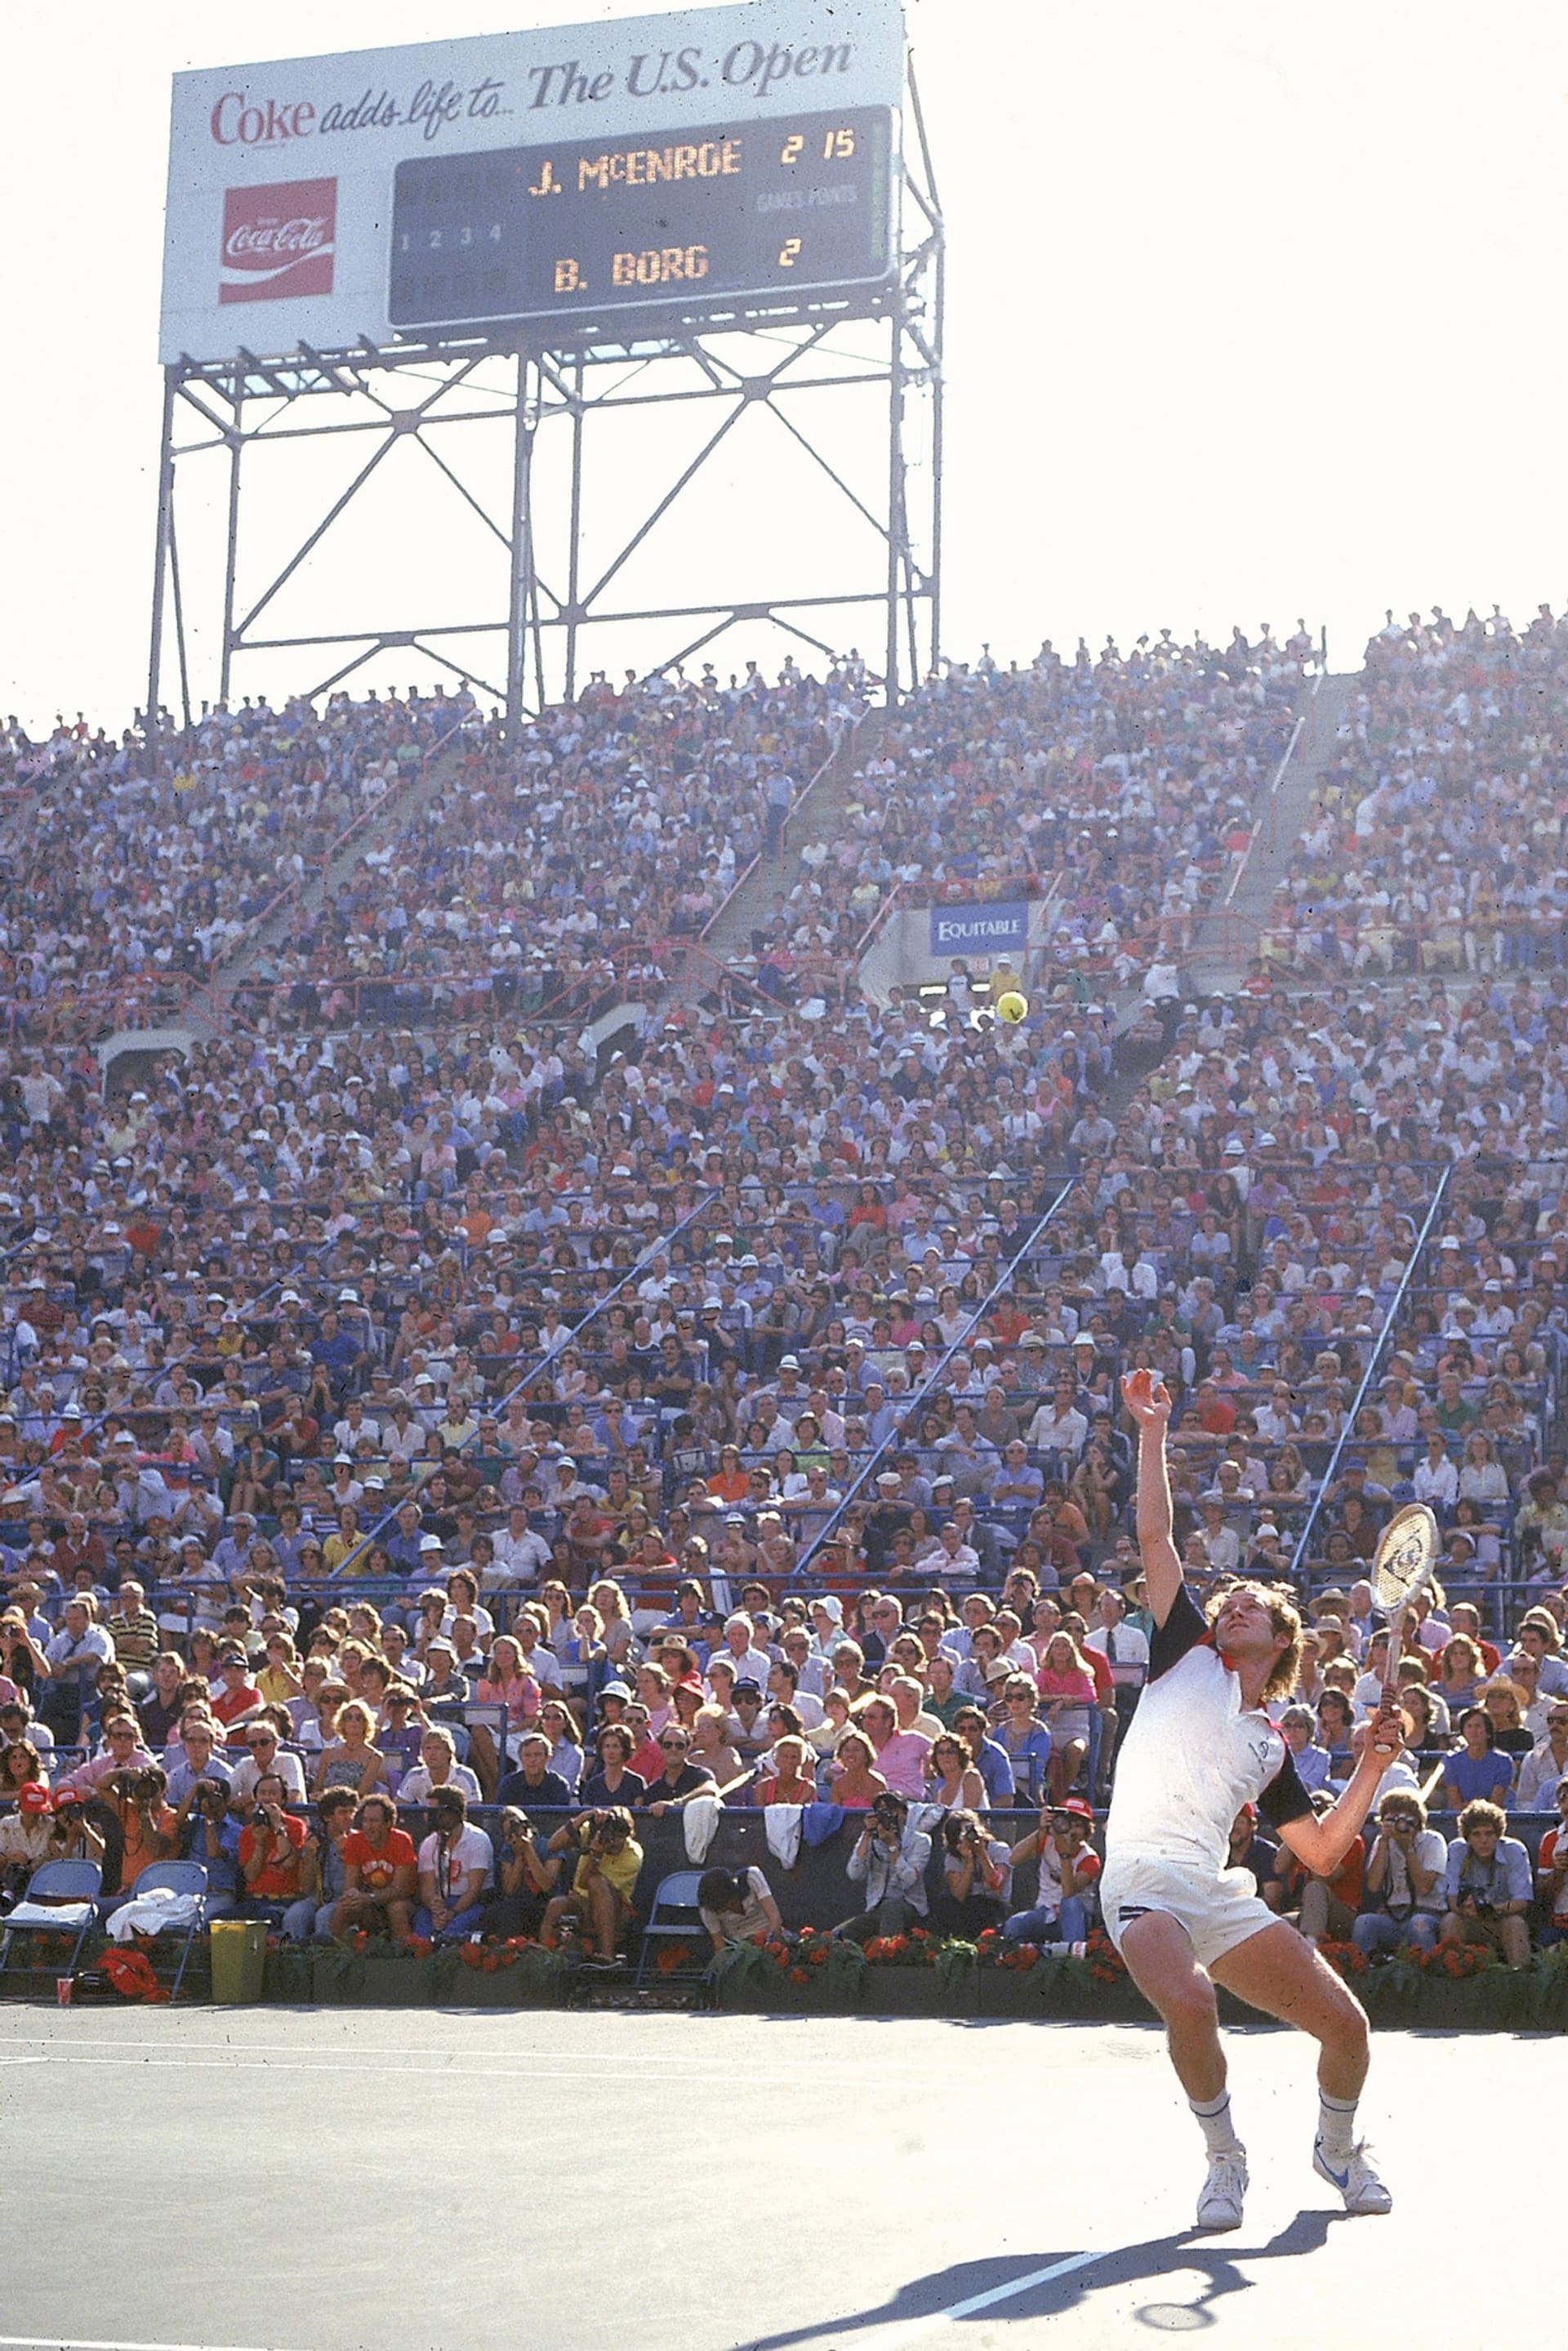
pixel 1254 311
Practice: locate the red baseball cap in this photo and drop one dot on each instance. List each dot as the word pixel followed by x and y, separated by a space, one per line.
pixel 34 1796
pixel 1075 1804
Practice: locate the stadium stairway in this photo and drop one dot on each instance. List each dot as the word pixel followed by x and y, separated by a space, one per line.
pixel 204 1015
pixel 1225 940
pixel 819 815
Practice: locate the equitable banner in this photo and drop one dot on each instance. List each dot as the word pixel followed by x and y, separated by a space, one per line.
pixel 980 930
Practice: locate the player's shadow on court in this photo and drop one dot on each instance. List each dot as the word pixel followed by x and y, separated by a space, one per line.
pixel 1218 2261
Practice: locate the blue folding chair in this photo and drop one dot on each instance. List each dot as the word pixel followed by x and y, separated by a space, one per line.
pixel 177 1878
pixel 72 1889
pixel 673 1917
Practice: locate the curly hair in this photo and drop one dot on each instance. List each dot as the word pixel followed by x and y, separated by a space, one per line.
pixel 1286 1619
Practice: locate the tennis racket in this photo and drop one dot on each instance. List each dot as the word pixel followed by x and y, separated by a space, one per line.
pixel 1403 1565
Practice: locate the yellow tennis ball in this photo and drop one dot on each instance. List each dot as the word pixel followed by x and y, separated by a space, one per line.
pixel 1011 1006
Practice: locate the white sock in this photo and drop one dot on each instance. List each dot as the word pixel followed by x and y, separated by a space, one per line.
pixel 1335 2124
pixel 1214 2121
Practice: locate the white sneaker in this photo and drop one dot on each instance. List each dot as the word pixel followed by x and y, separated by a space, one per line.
pixel 1356 2181
pixel 1219 2206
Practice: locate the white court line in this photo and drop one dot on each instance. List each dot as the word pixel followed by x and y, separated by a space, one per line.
pixel 224 2062
pixel 80 2343
pixel 59 2049
pixel 995 2294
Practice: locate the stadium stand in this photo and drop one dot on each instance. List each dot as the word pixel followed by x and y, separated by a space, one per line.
pixel 401 1394
pixel 130 873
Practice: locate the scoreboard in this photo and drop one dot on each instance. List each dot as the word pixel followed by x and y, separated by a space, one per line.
pixel 700 167
pixel 695 220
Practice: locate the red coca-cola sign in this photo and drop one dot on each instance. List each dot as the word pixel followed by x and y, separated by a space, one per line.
pixel 278 241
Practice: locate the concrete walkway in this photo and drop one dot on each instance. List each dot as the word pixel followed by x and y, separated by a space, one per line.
pixel 1223 945
pixel 396 813
pixel 820 817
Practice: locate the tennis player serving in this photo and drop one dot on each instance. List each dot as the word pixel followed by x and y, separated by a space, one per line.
pixel 1200 1747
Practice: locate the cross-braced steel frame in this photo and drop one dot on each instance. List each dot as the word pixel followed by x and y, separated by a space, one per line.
pixel 795 367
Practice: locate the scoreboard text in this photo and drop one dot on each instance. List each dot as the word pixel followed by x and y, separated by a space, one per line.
pixel 690 220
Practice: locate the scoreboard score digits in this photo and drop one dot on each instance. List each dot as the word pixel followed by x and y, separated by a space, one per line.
pixel 688 220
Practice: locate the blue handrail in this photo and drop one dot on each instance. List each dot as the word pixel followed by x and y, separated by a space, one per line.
pixel 1374 1359
pixel 895 1436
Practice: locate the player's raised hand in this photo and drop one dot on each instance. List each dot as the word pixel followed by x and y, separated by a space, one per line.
pixel 1386 1729
pixel 1147 1398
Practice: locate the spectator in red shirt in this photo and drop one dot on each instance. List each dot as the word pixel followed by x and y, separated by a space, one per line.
pixel 270 1847
pixel 1216 1414
pixel 379 1873
pixel 238 1695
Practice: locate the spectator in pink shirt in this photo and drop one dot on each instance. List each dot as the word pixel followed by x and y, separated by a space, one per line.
pixel 900 1754
pixel 122 1751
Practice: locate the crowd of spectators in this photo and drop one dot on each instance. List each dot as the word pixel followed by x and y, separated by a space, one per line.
pixel 133 868
pixel 1122 785
pixel 434 1423
pixel 556 871
pixel 1435 841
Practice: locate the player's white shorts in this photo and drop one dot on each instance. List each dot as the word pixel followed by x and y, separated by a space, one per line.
pixel 1217 1911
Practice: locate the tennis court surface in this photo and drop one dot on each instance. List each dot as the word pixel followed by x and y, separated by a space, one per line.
pixel 394 2180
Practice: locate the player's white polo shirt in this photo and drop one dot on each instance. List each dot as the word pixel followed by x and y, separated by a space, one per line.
pixel 1193 1757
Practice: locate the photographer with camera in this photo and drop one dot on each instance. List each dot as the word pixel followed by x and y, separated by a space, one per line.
pixel 206 1833
pixel 1069 1870
pixel 1404 1877
pixel 320 1869
pixel 1487 1886
pixel 525 1877
pixel 608 1865
pixel 25 1836
pixel 971 1894
pixel 889 1860
pixel 24 1667
pixel 270 1845
pixel 71 1836
pixel 455 1864
pixel 143 1824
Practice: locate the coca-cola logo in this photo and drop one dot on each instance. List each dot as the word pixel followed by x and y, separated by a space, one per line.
pixel 278 240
